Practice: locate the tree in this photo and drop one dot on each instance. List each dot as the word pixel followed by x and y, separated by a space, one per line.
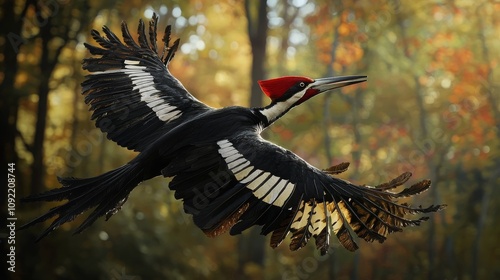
pixel 250 247
pixel 256 14
pixel 12 24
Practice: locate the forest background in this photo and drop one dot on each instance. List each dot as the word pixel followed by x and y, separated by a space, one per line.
pixel 429 106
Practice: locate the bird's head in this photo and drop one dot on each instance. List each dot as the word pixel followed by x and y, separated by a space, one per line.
pixel 288 92
pixel 301 89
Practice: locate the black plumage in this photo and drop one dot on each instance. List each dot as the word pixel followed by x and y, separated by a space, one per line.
pixel 227 176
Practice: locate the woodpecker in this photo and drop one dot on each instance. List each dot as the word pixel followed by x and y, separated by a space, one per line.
pixel 228 177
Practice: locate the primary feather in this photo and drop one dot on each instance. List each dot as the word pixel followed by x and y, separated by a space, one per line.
pixel 227 176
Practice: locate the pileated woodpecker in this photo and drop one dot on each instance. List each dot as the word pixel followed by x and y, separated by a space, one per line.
pixel 228 177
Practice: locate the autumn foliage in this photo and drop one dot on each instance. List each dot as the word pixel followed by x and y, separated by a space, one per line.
pixel 430 107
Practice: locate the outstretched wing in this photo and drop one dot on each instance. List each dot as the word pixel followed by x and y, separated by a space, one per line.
pixel 133 96
pixel 247 181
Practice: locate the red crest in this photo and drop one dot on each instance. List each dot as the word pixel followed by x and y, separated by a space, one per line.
pixel 275 88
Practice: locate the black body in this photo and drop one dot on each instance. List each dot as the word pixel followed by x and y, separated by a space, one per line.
pixel 228 177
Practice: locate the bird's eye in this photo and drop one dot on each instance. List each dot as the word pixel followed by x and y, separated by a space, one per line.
pixel 302 84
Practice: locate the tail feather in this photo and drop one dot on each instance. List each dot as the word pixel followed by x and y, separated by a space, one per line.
pixel 106 193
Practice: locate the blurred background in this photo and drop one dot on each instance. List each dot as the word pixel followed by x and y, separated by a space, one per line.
pixel 429 106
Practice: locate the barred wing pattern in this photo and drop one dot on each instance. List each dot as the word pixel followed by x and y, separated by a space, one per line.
pixel 133 96
pixel 243 182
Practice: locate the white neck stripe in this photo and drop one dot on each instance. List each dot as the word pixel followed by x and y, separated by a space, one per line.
pixel 275 111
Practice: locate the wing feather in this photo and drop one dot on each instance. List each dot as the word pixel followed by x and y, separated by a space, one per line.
pixel 133 96
pixel 312 203
pixel 152 32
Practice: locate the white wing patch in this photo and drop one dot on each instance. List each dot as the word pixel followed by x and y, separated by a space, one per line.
pixel 132 62
pixel 143 82
pixel 269 188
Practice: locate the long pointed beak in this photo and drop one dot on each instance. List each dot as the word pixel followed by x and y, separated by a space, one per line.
pixel 326 84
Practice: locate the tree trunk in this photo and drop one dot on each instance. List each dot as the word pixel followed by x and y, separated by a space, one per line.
pixel 326 105
pixel 256 14
pixel 432 251
pixel 9 102
pixel 333 265
pixel 356 102
pixel 37 167
pixel 288 18
pixel 489 185
pixel 251 246
pixel 12 24
pixel 48 61
pixel 47 65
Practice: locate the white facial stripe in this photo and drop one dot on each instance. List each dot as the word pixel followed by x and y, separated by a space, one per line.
pixel 273 112
pixel 143 82
pixel 269 188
